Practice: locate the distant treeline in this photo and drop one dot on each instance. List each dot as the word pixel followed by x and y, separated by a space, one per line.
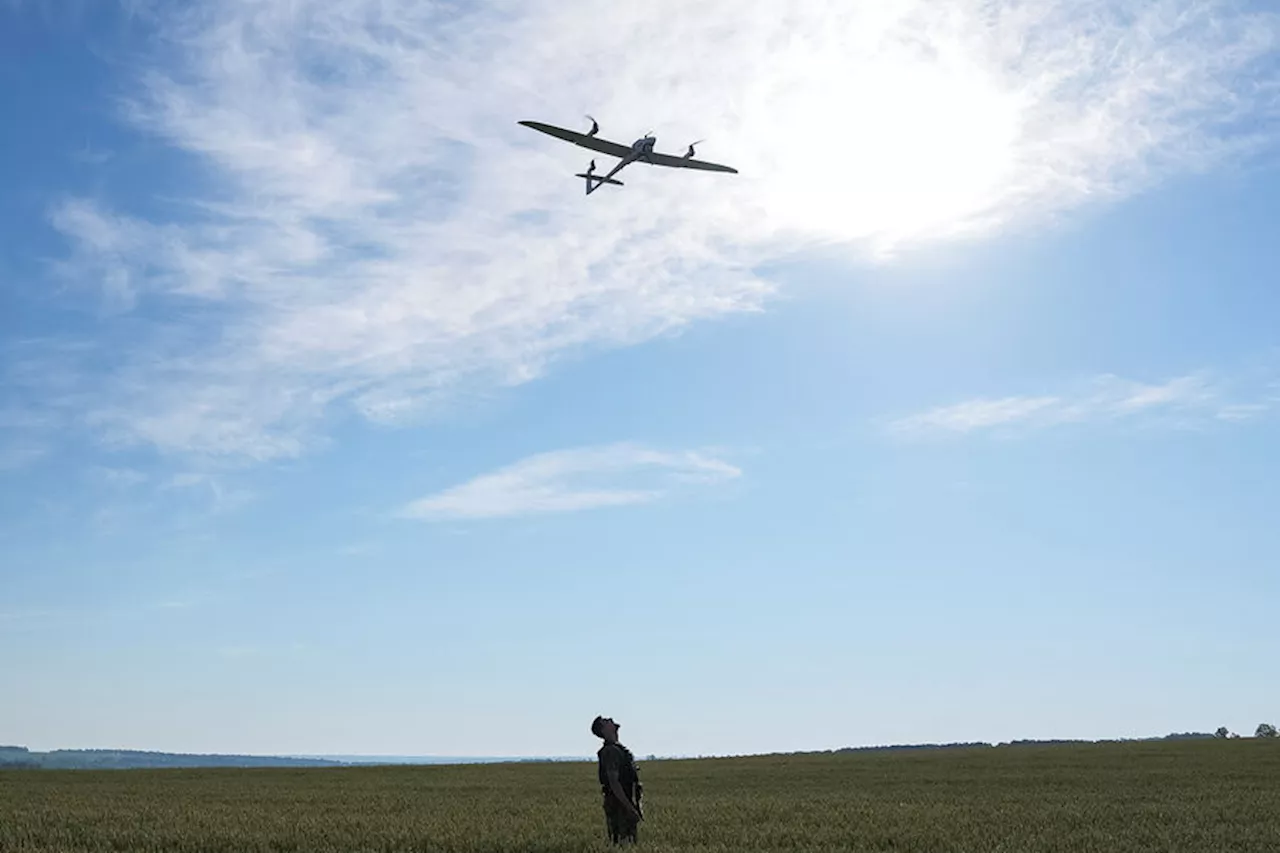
pixel 1264 730
pixel 88 759
pixel 905 746
pixel 109 759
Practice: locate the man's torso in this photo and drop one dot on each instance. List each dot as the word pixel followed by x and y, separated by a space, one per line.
pixel 615 756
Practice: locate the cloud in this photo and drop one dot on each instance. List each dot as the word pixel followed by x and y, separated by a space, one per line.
pixel 33 619
pixel 23 435
pixel 91 156
pixel 221 497
pixel 120 478
pixel 261 651
pixel 370 233
pixel 1189 398
pixel 572 480
pixel 20 454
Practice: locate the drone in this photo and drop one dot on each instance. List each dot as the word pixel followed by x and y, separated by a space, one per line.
pixel 640 151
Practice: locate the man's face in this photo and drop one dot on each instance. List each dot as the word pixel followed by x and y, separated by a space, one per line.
pixel 609 727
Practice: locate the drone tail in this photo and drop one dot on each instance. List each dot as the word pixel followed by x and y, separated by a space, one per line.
pixel 594 181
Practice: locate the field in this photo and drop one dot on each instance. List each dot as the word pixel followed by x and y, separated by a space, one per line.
pixel 1196 796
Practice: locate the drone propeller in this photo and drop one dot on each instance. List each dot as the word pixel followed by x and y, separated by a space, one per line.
pixel 592 168
pixel 595 127
pixel 690 152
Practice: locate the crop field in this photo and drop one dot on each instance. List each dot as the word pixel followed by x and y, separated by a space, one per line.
pixel 1192 796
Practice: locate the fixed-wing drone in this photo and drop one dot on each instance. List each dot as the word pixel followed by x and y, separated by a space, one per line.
pixel 640 151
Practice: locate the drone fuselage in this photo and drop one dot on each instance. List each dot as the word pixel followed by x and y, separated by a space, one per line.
pixel 641 150
pixel 644 145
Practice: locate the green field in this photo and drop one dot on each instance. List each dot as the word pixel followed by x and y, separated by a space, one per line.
pixel 1197 797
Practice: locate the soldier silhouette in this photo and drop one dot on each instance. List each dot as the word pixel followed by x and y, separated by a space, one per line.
pixel 619 783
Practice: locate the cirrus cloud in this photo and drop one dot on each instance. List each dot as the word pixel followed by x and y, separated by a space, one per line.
pixel 1195 397
pixel 369 231
pixel 572 480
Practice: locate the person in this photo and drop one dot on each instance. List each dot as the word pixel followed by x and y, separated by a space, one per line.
pixel 619 783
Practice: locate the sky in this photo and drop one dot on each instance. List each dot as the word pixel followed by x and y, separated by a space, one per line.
pixel 336 419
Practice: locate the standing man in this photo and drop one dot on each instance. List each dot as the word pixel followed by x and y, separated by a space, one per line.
pixel 619 782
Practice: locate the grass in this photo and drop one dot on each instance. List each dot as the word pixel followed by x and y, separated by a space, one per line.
pixel 1197 797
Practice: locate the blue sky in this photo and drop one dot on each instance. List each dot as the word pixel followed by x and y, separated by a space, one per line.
pixel 334 418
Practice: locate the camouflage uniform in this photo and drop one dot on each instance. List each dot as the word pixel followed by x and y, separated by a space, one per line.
pixel 621 825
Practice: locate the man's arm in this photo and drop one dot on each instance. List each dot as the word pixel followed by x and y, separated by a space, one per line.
pixel 616 787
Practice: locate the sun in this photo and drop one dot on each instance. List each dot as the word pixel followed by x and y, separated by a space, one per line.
pixel 906 146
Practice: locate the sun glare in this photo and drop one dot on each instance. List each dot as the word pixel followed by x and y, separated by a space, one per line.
pixel 906 147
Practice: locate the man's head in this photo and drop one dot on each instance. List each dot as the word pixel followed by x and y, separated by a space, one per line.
pixel 605 727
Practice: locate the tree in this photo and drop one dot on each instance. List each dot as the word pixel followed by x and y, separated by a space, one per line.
pixel 1265 730
pixel 1221 732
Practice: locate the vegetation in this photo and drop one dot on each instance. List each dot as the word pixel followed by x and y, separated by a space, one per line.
pixel 106 759
pixel 1175 795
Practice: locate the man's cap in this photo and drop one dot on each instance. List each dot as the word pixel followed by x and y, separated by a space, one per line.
pixel 595 726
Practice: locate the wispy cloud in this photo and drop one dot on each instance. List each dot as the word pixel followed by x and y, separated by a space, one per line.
pixel 571 480
pixel 19 454
pixel 221 497
pixel 381 233
pixel 1195 397
pixel 91 156
pixel 120 478
pixel 29 620
pixel 22 436
pixel 261 651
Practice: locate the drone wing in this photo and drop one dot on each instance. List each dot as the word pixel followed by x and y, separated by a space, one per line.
pixel 604 146
pixel 688 163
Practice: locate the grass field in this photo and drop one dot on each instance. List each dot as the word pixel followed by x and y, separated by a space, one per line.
pixel 1197 797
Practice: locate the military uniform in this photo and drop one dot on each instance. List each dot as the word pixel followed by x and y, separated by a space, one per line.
pixel 621 824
